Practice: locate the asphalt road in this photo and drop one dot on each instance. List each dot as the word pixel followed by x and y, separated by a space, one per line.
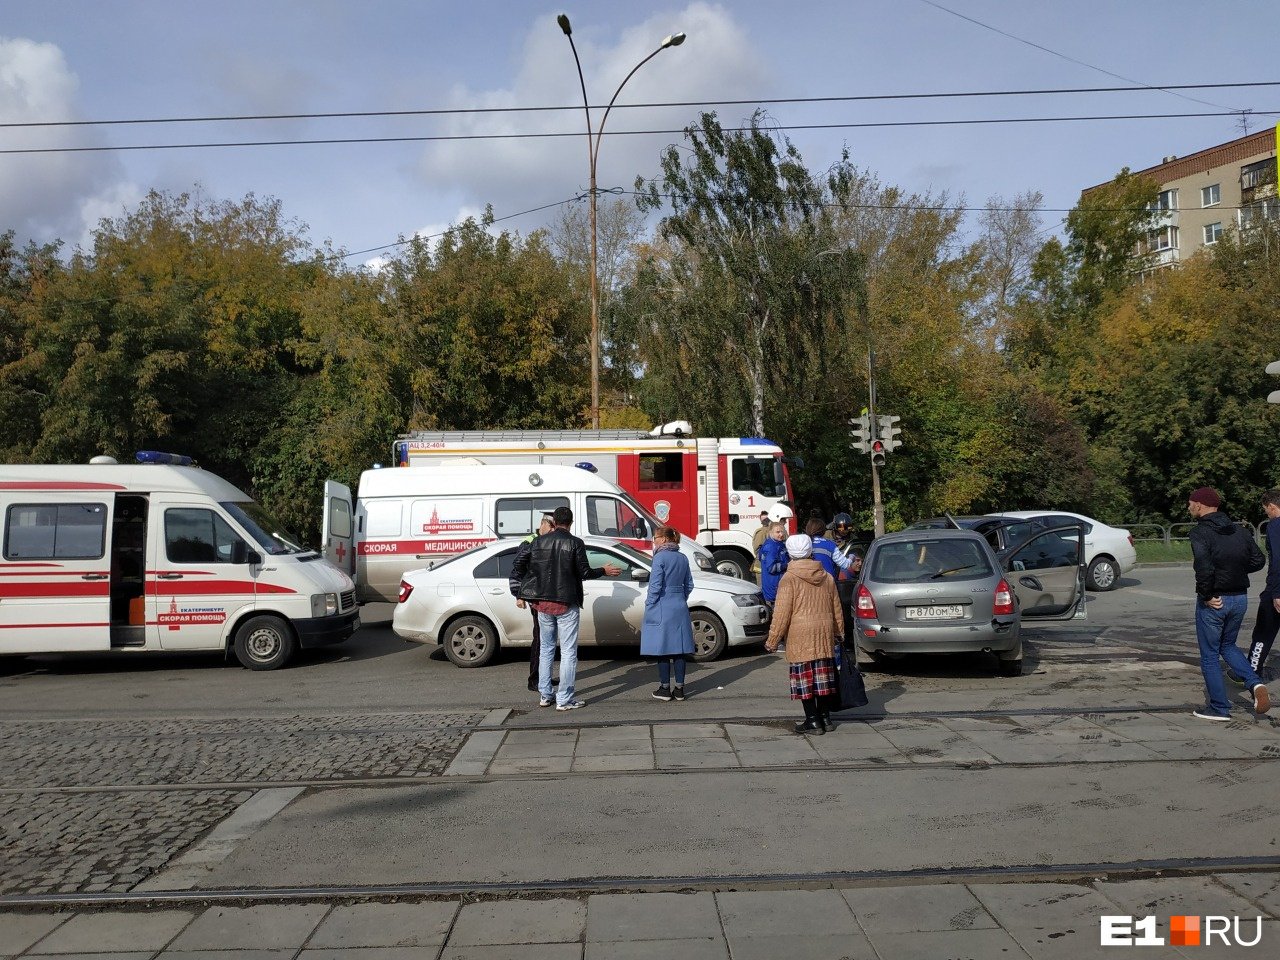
pixel 123 774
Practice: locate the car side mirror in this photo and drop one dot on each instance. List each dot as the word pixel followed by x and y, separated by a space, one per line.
pixel 640 575
pixel 240 553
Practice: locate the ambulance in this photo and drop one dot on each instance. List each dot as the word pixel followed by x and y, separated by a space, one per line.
pixel 157 556
pixel 711 490
pixel 401 520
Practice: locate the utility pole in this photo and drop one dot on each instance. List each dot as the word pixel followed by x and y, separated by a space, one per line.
pixel 877 504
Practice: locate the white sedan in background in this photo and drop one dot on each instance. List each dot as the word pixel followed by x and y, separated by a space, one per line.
pixel 1108 551
pixel 464 603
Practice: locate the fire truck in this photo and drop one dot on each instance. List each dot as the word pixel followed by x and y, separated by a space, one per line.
pixel 711 489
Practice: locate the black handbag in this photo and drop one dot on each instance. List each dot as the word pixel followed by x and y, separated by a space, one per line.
pixel 849 685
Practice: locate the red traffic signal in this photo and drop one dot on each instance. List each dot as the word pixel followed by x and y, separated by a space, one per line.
pixel 877 453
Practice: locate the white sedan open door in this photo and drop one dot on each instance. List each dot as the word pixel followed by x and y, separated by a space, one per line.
pixel 338 530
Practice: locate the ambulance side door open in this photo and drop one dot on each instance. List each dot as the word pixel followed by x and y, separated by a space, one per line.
pixel 194 589
pixel 338 529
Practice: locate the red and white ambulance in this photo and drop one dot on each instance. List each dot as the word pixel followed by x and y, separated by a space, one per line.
pixel 157 556
pixel 710 489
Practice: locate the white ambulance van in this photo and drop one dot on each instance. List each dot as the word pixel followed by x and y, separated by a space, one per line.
pixel 157 556
pixel 406 518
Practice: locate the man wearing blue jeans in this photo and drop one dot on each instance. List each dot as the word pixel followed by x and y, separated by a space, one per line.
pixel 1221 551
pixel 551 573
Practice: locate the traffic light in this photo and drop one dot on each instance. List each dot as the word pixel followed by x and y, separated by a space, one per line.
pixel 877 452
pixel 861 432
pixel 889 432
pixel 1274 366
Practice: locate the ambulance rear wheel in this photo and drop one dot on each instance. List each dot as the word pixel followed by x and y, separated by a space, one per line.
pixel 264 643
pixel 732 564
pixel 470 642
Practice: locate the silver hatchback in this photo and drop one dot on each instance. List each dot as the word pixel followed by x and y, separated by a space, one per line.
pixel 947 591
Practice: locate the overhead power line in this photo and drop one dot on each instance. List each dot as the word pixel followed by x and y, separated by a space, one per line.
pixel 617 133
pixel 770 101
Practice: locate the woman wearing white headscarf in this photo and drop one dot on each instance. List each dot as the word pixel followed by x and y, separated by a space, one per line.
pixel 807 613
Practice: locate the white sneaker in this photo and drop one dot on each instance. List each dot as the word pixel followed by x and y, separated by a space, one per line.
pixel 1206 715
pixel 1261 699
pixel 571 705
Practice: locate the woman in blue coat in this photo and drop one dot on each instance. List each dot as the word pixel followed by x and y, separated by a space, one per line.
pixel 666 632
pixel 773 561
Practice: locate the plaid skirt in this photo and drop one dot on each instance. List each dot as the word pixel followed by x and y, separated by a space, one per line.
pixel 812 677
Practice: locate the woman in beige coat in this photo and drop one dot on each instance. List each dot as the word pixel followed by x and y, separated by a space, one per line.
pixel 807 613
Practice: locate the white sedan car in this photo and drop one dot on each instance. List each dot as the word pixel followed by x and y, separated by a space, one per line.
pixel 464 602
pixel 1108 551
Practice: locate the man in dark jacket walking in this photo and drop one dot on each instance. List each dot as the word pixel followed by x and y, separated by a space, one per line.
pixel 1267 625
pixel 551 573
pixel 1221 552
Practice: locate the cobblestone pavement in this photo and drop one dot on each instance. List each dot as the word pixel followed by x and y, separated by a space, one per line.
pixel 70 822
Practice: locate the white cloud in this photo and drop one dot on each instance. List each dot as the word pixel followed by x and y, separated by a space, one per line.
pixel 717 60
pixel 50 196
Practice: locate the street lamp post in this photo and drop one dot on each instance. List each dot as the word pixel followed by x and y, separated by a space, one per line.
pixel 593 151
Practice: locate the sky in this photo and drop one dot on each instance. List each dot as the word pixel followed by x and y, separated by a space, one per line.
pixel 875 77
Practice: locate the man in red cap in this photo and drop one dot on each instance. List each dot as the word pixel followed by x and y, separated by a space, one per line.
pixel 1224 554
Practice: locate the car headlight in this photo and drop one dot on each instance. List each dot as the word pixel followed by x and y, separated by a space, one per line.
pixel 704 563
pixel 324 604
pixel 748 599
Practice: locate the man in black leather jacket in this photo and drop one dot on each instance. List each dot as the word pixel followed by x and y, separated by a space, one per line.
pixel 551 573
pixel 1221 552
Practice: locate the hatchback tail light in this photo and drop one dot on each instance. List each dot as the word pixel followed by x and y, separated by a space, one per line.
pixel 406 588
pixel 1004 600
pixel 865 604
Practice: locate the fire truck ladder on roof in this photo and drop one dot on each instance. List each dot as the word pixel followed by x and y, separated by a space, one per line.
pixel 486 436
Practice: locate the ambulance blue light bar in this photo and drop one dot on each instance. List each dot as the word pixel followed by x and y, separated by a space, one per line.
pixel 155 456
pixel 586 465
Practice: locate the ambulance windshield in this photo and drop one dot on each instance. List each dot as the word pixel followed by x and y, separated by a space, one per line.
pixel 264 528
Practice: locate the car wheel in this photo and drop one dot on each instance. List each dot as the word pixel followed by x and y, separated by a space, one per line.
pixel 1102 574
pixel 1012 667
pixel 732 564
pixel 264 643
pixel 470 642
pixel 709 636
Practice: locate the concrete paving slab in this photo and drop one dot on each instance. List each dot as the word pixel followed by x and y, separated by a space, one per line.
pixel 928 907
pixel 1217 950
pixel 648 949
pixel 613 764
pixel 385 925
pixel 519 951
pixel 373 953
pixel 774 755
pixel 224 955
pixel 699 744
pixel 505 922
pixel 18 931
pixel 523 751
pixel 1262 889
pixel 1056 910
pixel 623 732
pixel 473 759
pixel 132 931
pixel 681 731
pixel 953 943
pixel 614 748
pixel 1175 896
pixel 688 759
pixel 132 955
pixel 652 916
pixel 749 914
pixel 1201 749
pixel 266 927
pixel 541 736
pixel 531 765
pixel 828 946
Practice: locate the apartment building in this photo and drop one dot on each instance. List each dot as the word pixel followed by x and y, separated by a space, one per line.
pixel 1204 194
